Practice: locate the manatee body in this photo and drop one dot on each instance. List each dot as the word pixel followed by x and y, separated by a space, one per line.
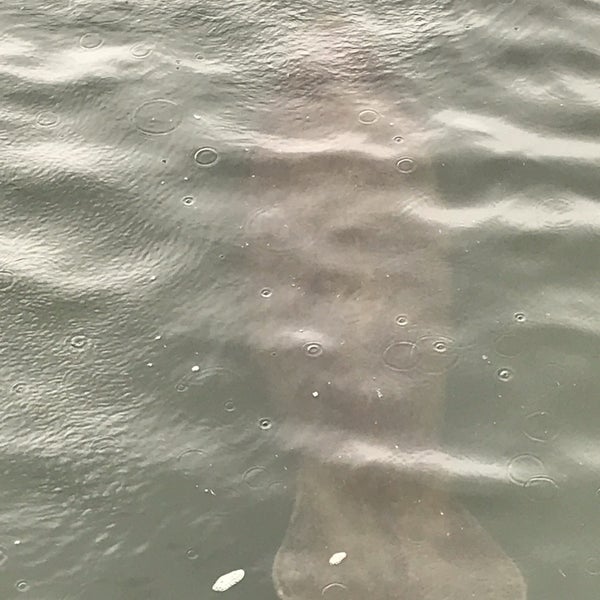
pixel 355 340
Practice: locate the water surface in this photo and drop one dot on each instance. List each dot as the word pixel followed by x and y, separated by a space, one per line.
pixel 214 211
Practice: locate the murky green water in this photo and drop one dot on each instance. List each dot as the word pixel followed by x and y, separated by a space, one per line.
pixel 282 280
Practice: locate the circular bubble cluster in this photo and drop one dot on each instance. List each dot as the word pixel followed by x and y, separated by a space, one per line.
pixel 368 116
pixel 265 424
pixel 558 213
pixel 141 50
pixel 525 467
pixel 78 341
pixel 256 477
pixel 157 117
pixel 47 119
pixel 89 41
pixel 22 586
pixel 430 354
pixel 592 565
pixel 19 388
pixel 540 427
pixel 400 356
pixel 269 227
pixel 541 488
pixel 206 157
pixel 191 461
pixel 313 349
pixel 436 354
pixel 335 591
pixel 504 374
pixel 405 165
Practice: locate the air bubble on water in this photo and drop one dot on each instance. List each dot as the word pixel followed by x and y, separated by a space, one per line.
pixel 440 346
pixel 400 356
pixel 206 157
pixel 313 349
pixel 191 460
pixel 188 201
pixel 7 280
pixel 47 119
pixel 592 566
pixel 558 213
pixel 78 341
pixel 541 488
pixel 223 583
pixel 266 292
pixel 405 165
pixel 368 116
pixel 191 554
pixel 520 317
pixel 540 426
pixel 229 406
pixel 89 41
pixel 334 591
pixel 181 387
pixel 435 354
pixel 22 586
pixel 265 424
pixel 402 320
pixel 141 50
pixel 525 467
pixel 398 139
pixel 277 487
pixel 255 477
pixel 157 117
pixel 19 388
pixel 504 374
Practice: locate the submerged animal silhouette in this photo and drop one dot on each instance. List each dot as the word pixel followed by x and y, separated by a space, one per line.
pixel 355 346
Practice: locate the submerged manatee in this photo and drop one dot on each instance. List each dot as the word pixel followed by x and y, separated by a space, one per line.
pixel 356 342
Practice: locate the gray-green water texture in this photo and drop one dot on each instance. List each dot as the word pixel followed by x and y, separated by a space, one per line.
pixel 305 291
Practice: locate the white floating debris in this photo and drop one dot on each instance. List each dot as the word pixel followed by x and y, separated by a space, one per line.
pixel 315 394
pixel 228 580
pixel 195 368
pixel 337 558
